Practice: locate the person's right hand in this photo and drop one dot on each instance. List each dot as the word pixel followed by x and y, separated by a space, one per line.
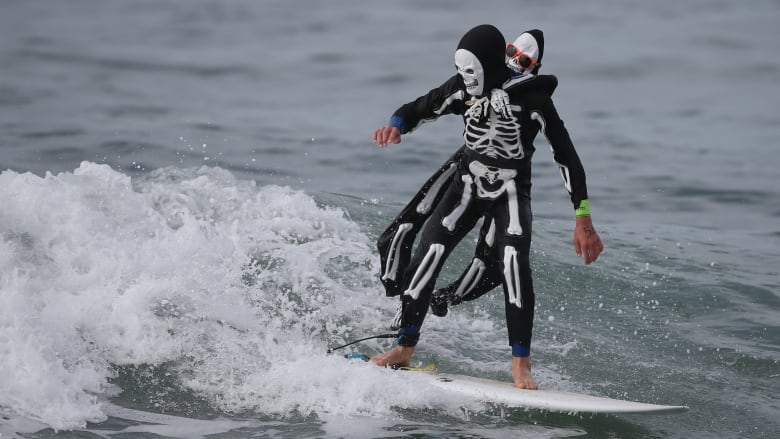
pixel 387 134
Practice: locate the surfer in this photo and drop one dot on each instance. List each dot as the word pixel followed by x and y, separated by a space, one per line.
pixel 483 274
pixel 489 177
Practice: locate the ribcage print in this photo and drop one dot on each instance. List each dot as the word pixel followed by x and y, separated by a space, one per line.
pixel 492 136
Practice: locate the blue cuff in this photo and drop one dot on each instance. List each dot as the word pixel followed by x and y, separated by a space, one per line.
pixel 398 122
pixel 521 351
pixel 408 336
pixel 409 330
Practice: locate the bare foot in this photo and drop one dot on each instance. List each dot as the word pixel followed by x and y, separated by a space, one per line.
pixel 521 373
pixel 399 356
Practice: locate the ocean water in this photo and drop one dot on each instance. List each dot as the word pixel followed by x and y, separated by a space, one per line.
pixel 189 199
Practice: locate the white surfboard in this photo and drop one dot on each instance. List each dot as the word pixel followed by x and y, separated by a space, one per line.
pixel 550 400
pixel 504 393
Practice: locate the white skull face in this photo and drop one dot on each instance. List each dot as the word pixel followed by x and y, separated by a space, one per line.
pixel 470 69
pixel 527 44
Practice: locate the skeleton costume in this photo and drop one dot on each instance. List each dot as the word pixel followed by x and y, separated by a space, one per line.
pixel 489 177
pixel 475 281
pixel 483 274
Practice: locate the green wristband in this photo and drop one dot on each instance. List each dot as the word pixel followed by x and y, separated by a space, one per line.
pixel 583 210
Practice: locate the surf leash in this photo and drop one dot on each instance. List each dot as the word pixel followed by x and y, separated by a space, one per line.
pixel 330 350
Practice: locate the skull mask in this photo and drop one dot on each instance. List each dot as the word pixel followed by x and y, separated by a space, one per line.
pixel 470 69
pixel 479 59
pixel 531 43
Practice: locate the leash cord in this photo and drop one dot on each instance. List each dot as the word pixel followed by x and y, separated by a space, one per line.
pixel 330 350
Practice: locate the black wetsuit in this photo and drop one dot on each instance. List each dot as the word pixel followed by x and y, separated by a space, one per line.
pixel 500 148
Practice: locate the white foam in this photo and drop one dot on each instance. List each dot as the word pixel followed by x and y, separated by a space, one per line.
pixel 239 288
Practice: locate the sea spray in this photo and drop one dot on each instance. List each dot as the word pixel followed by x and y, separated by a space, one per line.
pixel 231 290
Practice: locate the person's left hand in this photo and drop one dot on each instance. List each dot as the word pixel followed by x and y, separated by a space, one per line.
pixel 586 240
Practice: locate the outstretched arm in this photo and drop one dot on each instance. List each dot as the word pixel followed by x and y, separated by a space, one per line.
pixel 445 99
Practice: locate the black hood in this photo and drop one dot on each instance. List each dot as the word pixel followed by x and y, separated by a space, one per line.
pixel 539 37
pixel 487 43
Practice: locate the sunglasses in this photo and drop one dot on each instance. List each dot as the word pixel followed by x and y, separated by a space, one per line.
pixel 523 60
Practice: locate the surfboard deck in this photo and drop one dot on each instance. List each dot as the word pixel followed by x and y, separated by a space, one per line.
pixel 506 394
